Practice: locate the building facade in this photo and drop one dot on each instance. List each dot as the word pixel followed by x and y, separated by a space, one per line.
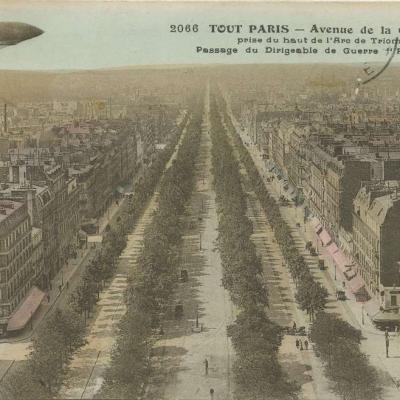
pixel 376 233
pixel 17 273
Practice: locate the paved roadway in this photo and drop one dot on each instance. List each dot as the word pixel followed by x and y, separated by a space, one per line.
pixel 373 343
pixel 179 356
pixel 301 366
pixel 17 348
pixel 89 363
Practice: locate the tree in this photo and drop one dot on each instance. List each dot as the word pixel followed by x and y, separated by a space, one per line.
pixel 311 296
pixel 84 296
pixel 56 339
pixel 337 342
pixel 130 356
pixel 20 384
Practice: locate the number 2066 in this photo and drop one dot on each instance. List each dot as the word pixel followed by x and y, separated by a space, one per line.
pixel 183 28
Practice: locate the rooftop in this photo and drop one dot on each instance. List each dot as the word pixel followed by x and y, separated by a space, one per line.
pixel 378 198
pixel 7 208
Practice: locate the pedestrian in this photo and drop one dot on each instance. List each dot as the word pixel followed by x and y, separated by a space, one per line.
pixel 387 341
pixel 206 366
pixel 387 347
pixel 297 344
pixel 306 344
pixel 386 332
pixel 67 284
pixel 294 326
pixel 301 345
pixel 212 393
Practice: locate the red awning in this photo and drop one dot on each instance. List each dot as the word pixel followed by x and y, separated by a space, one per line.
pixel 318 228
pixel 26 309
pixel 341 261
pixel 325 237
pixel 332 249
pixel 356 284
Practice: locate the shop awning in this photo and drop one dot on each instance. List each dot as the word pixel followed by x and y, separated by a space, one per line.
pixel 324 236
pixel 318 228
pixel 350 274
pixel 341 261
pixel 356 284
pixel 26 309
pixel 332 249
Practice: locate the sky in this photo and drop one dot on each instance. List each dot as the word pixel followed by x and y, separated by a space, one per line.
pixel 81 35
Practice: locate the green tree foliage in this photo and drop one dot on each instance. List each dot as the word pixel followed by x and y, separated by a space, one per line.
pixel 130 356
pixel 311 295
pixel 338 344
pixel 41 376
pixel 151 286
pixel 21 384
pixel 64 331
pixel 255 338
pixel 335 340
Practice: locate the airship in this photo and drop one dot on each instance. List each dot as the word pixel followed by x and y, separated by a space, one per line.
pixel 12 33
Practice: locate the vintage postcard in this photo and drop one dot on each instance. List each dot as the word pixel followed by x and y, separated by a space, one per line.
pixel 199 200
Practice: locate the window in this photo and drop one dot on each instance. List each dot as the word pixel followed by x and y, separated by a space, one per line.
pixel 393 301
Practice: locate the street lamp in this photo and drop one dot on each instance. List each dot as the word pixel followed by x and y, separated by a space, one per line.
pixel 387 342
pixel 362 313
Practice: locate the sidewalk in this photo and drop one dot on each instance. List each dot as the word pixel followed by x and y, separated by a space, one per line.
pixel 303 367
pixel 350 310
pixel 178 365
pixel 68 275
pixel 373 344
pixel 90 362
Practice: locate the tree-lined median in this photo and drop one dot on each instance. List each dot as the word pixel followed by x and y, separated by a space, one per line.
pixel 256 339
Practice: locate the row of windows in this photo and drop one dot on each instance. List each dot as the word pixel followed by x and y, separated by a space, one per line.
pixel 4 309
pixel 19 261
pixel 19 295
pixel 18 249
pixel 9 241
pixel 366 233
pixel 366 251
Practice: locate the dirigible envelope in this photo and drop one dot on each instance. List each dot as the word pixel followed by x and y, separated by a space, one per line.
pixel 12 33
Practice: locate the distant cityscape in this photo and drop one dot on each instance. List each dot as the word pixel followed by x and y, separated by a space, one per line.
pixel 200 232
pixel 62 164
pixel 338 153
